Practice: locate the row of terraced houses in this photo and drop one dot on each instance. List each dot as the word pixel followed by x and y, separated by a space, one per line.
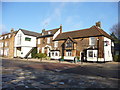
pixel 90 44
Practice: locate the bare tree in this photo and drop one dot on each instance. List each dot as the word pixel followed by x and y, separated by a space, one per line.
pixel 116 30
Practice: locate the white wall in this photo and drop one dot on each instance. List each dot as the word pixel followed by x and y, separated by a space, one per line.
pixel 31 43
pixel 25 50
pixel 26 46
pixel 107 50
pixel 55 35
pixel 69 57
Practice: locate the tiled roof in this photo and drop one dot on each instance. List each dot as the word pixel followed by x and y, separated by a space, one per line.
pixel 52 32
pixel 89 32
pixel 8 33
pixel 72 39
pixel 31 33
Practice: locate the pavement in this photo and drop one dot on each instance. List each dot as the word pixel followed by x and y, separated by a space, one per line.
pixel 18 74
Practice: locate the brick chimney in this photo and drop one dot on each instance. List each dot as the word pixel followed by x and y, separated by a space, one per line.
pixel 61 28
pixel 12 30
pixel 98 24
pixel 43 30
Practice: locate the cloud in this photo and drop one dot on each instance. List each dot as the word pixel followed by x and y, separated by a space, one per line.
pixel 56 14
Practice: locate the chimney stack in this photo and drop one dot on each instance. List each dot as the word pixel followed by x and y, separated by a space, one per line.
pixel 98 24
pixel 43 30
pixel 60 28
pixel 12 30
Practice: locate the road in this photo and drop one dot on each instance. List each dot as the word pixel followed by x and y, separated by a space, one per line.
pixel 26 74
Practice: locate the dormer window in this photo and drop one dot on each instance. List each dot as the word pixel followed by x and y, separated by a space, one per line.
pixel 9 36
pixel 49 32
pixel 42 33
pixel 5 37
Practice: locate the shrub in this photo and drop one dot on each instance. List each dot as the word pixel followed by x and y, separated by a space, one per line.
pixel 62 57
pixel 33 54
pixel 40 56
pixel 48 58
pixel 78 58
pixel 116 58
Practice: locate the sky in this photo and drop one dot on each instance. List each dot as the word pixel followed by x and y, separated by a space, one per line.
pixel 35 16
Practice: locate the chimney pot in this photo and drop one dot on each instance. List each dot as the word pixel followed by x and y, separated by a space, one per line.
pixel 98 24
pixel 12 30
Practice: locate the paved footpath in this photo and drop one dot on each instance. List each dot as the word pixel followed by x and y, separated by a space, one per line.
pixel 20 74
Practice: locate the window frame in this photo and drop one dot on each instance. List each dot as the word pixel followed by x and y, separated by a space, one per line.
pixel 27 39
pixel 91 42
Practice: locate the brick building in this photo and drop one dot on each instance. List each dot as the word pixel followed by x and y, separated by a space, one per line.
pixel 7 44
pixel 91 44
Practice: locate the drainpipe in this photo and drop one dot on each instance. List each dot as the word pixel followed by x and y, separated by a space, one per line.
pixel 98 49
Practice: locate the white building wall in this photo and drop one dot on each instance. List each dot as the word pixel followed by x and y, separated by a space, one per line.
pixel 107 50
pixel 55 35
pixel 31 43
pixel 25 50
pixel 26 46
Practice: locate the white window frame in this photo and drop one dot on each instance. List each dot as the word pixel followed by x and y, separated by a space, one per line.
pixel 19 39
pixel 1 44
pixel 53 53
pixel 94 53
pixel 55 43
pixel 39 41
pixel 5 36
pixel 68 53
pixel 48 40
pixel 6 51
pixel 1 52
pixel 6 43
pixel 38 50
pixel 9 36
pixel 91 40
pixel 49 32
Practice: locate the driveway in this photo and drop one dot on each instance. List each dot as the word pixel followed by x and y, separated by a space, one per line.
pixel 19 74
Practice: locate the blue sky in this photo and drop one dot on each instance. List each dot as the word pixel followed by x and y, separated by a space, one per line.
pixel 35 16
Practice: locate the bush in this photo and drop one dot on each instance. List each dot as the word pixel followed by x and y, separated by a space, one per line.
pixel 78 58
pixel 62 57
pixel 33 54
pixel 40 55
pixel 116 58
pixel 48 58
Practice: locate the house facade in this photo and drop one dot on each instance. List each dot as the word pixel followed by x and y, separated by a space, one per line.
pixel 25 43
pixel 7 44
pixel 45 43
pixel 91 44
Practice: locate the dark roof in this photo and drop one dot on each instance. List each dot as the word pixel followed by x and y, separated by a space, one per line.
pixel 6 34
pixel 72 39
pixel 89 32
pixel 53 31
pixel 9 33
pixel 31 33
